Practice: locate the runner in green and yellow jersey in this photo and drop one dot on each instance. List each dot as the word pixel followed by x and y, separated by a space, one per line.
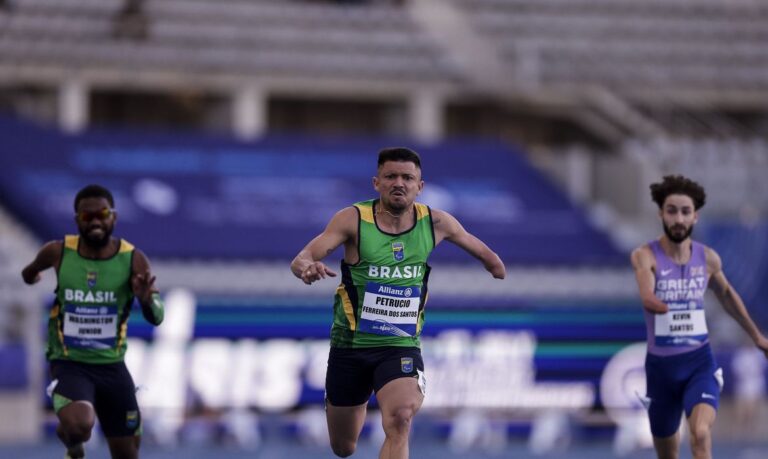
pixel 98 278
pixel 379 305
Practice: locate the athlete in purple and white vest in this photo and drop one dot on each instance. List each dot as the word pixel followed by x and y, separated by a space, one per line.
pixel 673 273
pixel 681 287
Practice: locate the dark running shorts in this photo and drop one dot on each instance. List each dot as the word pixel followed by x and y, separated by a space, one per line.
pixel 678 383
pixel 354 373
pixel 109 388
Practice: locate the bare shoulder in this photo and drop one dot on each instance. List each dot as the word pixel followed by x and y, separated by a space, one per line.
pixel 48 256
pixel 446 226
pixel 140 260
pixel 714 262
pixel 342 226
pixel 442 218
pixel 438 215
pixel 345 219
pixel 52 246
pixel 642 256
pixel 350 212
pixel 709 252
pixel 51 251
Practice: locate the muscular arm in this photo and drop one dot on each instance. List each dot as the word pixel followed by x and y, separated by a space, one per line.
pixel 447 227
pixel 341 229
pixel 643 264
pixel 49 256
pixel 731 300
pixel 143 287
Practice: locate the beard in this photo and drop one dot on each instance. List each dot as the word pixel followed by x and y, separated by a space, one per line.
pixel 393 205
pixel 97 242
pixel 397 206
pixel 677 238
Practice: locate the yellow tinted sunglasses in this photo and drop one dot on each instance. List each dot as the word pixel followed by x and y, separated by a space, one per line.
pixel 86 216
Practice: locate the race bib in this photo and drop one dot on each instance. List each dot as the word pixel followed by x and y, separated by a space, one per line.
pixel 90 327
pixel 390 310
pixel 680 327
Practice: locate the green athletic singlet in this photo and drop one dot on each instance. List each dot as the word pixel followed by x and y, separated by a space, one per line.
pixel 89 317
pixel 381 299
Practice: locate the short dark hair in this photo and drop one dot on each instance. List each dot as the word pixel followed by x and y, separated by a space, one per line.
pixel 678 184
pixel 399 154
pixel 94 191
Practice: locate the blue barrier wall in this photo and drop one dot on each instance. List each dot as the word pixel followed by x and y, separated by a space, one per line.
pixel 186 195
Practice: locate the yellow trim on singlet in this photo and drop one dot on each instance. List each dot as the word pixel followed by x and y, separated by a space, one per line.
pixel 366 213
pixel 125 246
pixel 420 323
pixel 71 241
pixel 55 314
pixel 421 211
pixel 122 334
pixel 349 310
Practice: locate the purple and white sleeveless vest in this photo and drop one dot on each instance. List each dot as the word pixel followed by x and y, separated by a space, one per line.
pixel 681 287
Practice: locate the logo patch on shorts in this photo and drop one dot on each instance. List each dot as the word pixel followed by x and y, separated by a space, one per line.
pixel 644 400
pixel 91 279
pixel 132 419
pixel 406 364
pixel 51 387
pixel 422 382
pixel 719 378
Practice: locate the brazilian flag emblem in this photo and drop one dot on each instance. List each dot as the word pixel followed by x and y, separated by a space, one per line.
pixel 398 251
pixel 132 419
pixel 91 279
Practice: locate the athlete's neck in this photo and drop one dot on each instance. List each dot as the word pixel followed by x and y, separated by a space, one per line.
pixel 393 220
pixel 108 250
pixel 678 252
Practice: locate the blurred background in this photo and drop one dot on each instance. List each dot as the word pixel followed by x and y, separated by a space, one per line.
pixel 230 132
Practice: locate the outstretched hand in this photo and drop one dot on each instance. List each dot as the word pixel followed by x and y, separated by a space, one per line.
pixel 316 271
pixel 143 286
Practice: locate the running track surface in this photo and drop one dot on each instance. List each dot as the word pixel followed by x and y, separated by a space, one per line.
pixel 420 449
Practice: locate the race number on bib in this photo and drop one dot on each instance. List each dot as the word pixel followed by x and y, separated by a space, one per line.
pixel 680 327
pixel 90 327
pixel 390 310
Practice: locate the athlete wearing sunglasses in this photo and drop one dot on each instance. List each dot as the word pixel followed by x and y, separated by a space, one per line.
pixel 86 216
pixel 95 221
pixel 98 279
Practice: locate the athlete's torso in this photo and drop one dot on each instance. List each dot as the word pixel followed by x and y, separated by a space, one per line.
pixel 89 317
pixel 381 299
pixel 681 287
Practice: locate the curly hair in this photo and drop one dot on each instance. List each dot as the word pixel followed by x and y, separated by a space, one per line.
pixel 678 184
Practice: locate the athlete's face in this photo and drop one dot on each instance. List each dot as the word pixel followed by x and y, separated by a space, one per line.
pixel 398 183
pixel 95 220
pixel 678 215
